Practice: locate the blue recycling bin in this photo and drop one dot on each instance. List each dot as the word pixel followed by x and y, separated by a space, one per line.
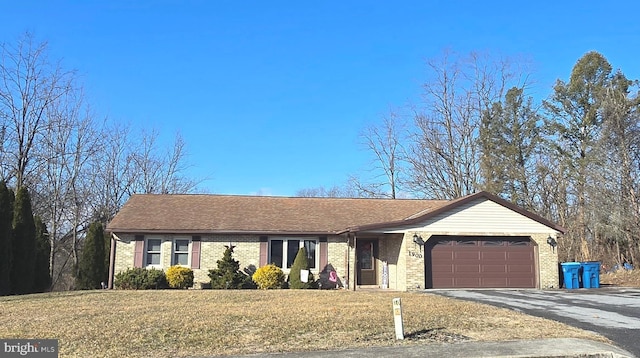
pixel 590 274
pixel 571 274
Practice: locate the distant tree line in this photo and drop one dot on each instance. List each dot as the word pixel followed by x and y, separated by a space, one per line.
pixel 78 168
pixel 573 157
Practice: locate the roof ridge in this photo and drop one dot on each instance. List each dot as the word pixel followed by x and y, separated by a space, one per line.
pixel 284 197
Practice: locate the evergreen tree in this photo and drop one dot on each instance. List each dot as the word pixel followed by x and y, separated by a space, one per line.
pixel 576 111
pixel 107 253
pixel 23 244
pixel 300 263
pixel 509 139
pixel 227 275
pixel 6 233
pixel 42 279
pixel 91 270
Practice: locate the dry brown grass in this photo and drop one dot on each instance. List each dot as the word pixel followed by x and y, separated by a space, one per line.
pixel 210 322
pixel 621 278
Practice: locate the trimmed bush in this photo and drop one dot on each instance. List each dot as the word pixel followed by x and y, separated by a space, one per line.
pixel 300 263
pixel 179 277
pixel 228 275
pixel 269 277
pixel 140 279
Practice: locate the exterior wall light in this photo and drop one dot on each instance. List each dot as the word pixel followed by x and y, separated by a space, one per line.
pixel 418 239
pixel 552 242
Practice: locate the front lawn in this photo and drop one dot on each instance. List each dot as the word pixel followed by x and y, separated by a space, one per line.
pixel 176 323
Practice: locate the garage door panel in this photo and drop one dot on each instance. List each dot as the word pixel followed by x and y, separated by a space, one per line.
pixel 496 282
pixel 443 255
pixel 443 269
pixel 444 283
pixel 476 262
pixel 520 255
pixel 520 269
pixel 466 255
pixel 467 268
pixel 520 283
pixel 494 268
pixel 471 282
pixel 492 255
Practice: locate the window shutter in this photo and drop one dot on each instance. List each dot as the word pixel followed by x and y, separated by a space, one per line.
pixel 324 253
pixel 264 250
pixel 195 252
pixel 138 253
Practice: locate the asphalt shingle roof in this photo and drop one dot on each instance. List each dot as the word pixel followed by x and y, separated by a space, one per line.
pixel 197 213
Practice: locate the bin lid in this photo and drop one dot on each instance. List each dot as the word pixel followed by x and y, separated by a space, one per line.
pixel 570 264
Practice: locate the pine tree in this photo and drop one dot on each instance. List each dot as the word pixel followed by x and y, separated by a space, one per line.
pixel 91 271
pixel 6 233
pixel 42 279
pixel 509 139
pixel 300 263
pixel 227 275
pixel 24 244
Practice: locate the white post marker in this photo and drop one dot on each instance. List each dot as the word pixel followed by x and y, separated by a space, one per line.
pixel 397 318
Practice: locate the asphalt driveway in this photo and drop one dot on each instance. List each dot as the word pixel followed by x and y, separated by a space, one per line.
pixel 612 312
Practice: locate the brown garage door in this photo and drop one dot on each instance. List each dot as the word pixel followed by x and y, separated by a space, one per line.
pixel 479 261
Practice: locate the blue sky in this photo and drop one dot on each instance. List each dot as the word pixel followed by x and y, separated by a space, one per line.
pixel 271 96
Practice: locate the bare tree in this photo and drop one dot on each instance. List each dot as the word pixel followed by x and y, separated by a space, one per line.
pixel 158 172
pixel 62 180
pixel 444 155
pixel 323 192
pixel 114 172
pixel 29 85
pixel 77 169
pixel 384 142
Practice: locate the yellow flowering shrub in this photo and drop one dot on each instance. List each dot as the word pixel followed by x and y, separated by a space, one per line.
pixel 179 277
pixel 268 277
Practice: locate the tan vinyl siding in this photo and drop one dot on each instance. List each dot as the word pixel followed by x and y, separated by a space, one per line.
pixel 480 216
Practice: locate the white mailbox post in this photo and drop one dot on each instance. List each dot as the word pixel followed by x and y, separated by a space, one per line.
pixel 397 318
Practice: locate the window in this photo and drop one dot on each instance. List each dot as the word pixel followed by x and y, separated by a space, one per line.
pixel 283 251
pixel 153 252
pixel 181 252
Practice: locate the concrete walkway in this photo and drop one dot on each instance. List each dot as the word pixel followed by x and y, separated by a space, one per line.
pixel 561 347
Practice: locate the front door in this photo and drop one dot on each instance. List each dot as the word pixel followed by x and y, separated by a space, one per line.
pixel 367 251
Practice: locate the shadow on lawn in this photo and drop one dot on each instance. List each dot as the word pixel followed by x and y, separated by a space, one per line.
pixel 436 335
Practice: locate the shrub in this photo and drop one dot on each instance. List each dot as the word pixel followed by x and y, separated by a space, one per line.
pixel 300 263
pixel 140 279
pixel 268 277
pixel 228 275
pixel 179 277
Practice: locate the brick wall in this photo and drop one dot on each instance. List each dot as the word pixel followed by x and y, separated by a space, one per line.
pixel 337 255
pixel 125 247
pixel 390 249
pixel 414 254
pixel 246 251
pixel 547 261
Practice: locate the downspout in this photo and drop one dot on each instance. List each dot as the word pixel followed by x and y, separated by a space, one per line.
pixel 347 263
pixel 355 261
pixel 112 261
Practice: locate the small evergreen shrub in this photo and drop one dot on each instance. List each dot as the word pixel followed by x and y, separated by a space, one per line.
pixel 228 274
pixel 140 279
pixel 300 263
pixel 179 277
pixel 268 277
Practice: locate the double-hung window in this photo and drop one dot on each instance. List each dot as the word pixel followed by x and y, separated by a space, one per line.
pixel 282 251
pixel 180 252
pixel 153 250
